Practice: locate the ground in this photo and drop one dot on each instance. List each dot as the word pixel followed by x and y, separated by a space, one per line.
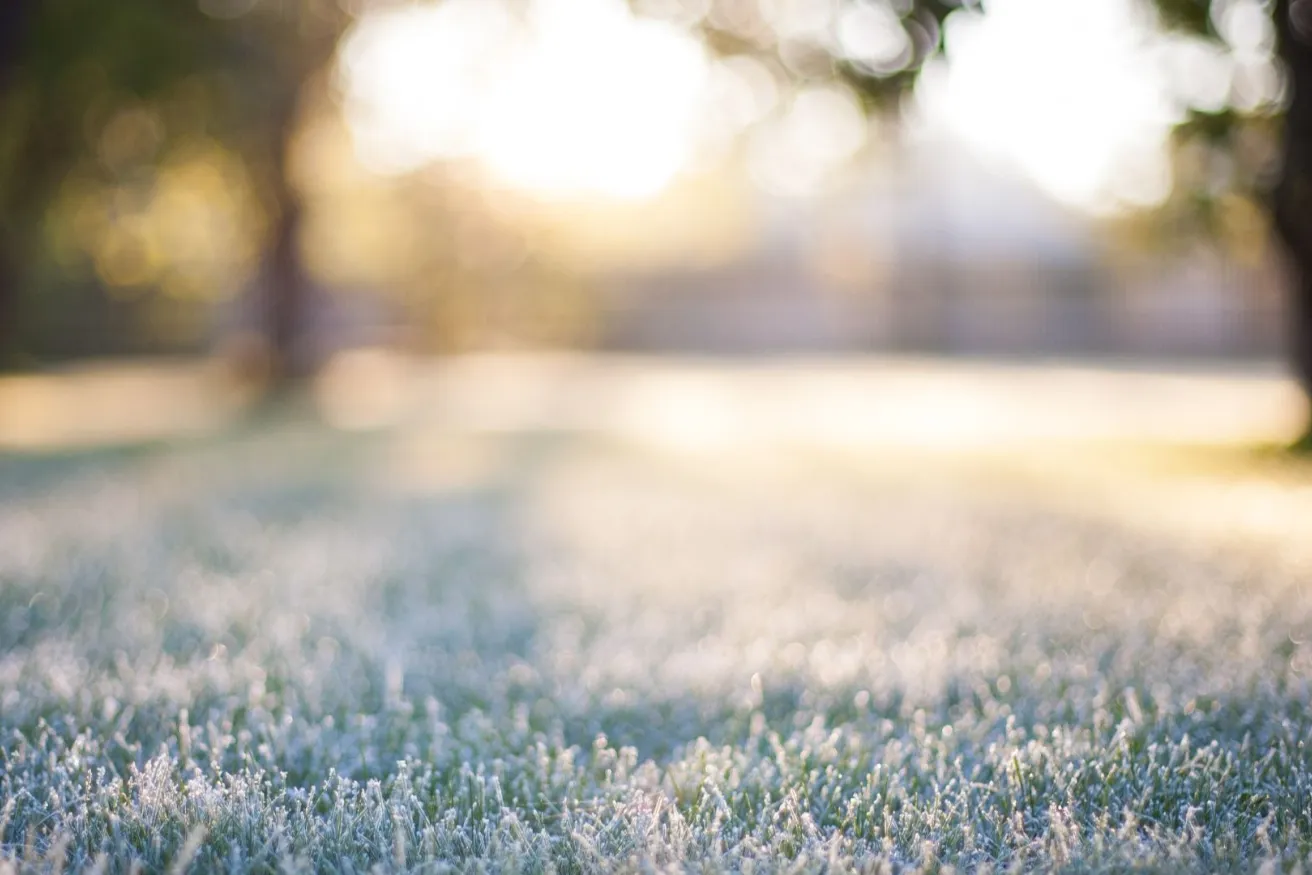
pixel 569 615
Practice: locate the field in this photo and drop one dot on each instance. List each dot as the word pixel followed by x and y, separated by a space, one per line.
pixel 558 616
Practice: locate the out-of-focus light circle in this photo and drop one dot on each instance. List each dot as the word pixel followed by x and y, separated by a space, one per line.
pixel 743 90
pixel 1246 25
pixel 740 91
pixel 829 120
pixel 798 19
pixel 682 12
pixel 1257 83
pixel 871 36
pixel 415 77
pixel 1300 17
pixel 1199 73
pixel 794 153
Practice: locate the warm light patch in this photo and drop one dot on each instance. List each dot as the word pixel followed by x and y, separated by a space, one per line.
pixel 576 97
pixel 1070 92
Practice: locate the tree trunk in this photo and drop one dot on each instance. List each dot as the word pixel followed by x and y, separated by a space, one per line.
pixel 1292 197
pixel 286 292
pixel 9 290
pixel 285 285
pixel 13 21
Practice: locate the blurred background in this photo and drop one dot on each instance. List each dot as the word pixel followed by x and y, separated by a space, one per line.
pixel 273 189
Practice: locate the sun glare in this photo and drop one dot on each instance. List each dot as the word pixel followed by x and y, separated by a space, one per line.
pixel 575 97
pixel 1081 96
pixel 583 98
pixel 1069 91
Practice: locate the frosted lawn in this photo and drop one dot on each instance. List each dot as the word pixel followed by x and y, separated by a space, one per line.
pixel 294 649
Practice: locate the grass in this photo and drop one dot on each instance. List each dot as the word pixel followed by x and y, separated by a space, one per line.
pixel 416 649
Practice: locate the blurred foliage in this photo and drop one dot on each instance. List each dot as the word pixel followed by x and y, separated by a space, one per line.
pixel 1225 163
pixel 1225 160
pixel 1192 16
pixel 140 162
pixel 740 27
pixel 99 103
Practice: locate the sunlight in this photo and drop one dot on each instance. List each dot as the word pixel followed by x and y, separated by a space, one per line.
pixel 103 405
pixel 1070 92
pixel 575 98
pixel 571 99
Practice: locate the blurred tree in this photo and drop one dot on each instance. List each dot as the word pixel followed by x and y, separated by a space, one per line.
pixel 13 20
pixel 1244 168
pixel 284 44
pixel 1292 202
pixel 1241 169
pixel 228 71
pixel 65 65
